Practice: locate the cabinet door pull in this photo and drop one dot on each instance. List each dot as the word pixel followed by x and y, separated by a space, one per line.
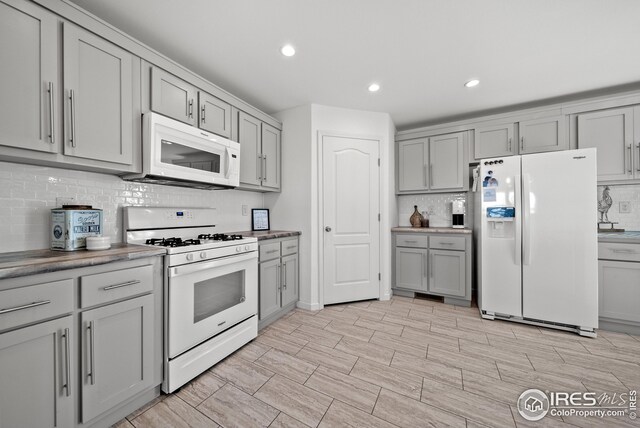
pixel 72 107
pixel 67 362
pixel 638 164
pixel 51 118
pixel 123 284
pixel 190 110
pixel 445 243
pixel 623 251
pixel 291 247
pixel 264 159
pixel 431 266
pixel 260 173
pixel 202 116
pixel 278 278
pixel 284 275
pixel 424 175
pixel 431 175
pixel 630 160
pixel 92 360
pixel 410 242
pixel 425 262
pixel 521 143
pixel 509 145
pixel 19 308
pixel 272 251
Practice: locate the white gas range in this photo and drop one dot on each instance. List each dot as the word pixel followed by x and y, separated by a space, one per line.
pixel 210 287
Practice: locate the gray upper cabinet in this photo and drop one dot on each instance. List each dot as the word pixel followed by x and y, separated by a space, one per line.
pixel 249 137
pixel 260 155
pixel 37 383
pixel 173 97
pixel 543 135
pixel 98 92
pixel 413 158
pixel 29 77
pixel 446 164
pixel 270 157
pixel 612 133
pixel 433 164
pixel 214 115
pixel 494 141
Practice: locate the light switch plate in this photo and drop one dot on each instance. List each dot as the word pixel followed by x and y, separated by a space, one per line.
pixel 625 207
pixel 245 210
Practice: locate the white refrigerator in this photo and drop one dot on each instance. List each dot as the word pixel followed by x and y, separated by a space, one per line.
pixel 536 218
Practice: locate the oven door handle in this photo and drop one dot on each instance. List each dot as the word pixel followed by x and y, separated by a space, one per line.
pixel 200 266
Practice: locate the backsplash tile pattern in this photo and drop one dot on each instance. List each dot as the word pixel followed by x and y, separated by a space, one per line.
pixel 625 193
pixel 438 205
pixel 28 193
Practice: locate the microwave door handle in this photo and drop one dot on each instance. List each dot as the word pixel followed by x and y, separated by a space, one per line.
pixel 228 155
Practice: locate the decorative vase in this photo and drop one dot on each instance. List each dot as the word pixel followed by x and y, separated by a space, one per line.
pixel 416 217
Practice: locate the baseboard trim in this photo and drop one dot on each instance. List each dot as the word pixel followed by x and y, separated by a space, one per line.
pixel 309 306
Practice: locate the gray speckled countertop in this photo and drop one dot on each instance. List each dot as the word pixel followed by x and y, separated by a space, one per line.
pixel 629 237
pixel 22 263
pixel 466 230
pixel 269 234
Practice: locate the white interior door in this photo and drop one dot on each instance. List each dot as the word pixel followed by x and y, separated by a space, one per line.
pixel 350 180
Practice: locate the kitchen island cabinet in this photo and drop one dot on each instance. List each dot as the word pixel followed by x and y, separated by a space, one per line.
pixel 80 346
pixel 434 261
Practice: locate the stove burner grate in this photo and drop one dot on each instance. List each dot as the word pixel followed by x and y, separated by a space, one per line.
pixel 219 237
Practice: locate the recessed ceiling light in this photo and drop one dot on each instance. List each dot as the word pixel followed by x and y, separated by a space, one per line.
pixel 472 83
pixel 374 87
pixel 288 50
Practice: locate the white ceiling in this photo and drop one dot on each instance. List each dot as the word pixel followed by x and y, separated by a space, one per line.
pixel 420 51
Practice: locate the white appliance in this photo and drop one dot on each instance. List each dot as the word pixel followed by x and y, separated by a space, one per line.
pixel 210 290
pixel 457 214
pixel 178 154
pixel 537 244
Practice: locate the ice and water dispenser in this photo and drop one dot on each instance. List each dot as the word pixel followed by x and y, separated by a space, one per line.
pixel 501 222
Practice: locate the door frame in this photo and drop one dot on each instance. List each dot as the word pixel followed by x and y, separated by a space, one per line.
pixel 320 140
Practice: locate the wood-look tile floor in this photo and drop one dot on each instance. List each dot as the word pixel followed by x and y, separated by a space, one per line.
pixel 405 362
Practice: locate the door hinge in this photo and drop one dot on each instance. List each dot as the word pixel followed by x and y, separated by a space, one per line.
pixel 379 276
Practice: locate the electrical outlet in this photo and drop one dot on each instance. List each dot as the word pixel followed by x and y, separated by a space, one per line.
pixel 625 207
pixel 60 201
pixel 245 210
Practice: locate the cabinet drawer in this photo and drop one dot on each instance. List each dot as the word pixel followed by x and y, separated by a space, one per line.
pixel 415 241
pixel 34 303
pixel 289 247
pixel 615 251
pixel 269 251
pixel 119 284
pixel 447 242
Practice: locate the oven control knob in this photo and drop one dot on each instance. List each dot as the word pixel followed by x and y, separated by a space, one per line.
pixel 203 255
pixel 190 257
pixel 238 249
pixel 246 248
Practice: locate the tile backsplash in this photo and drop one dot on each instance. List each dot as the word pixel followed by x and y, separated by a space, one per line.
pixel 438 206
pixel 28 193
pixel 624 193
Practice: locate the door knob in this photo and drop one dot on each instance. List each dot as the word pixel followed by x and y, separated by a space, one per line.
pixel 328 229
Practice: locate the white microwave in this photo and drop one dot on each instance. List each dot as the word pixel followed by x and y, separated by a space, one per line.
pixel 178 154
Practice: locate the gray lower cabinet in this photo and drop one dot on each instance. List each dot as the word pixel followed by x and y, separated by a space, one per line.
pixel 35 375
pixel 434 263
pixel 80 347
pixel 619 287
pixel 279 278
pixel 116 362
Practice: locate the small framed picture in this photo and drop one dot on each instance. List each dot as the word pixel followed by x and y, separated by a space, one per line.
pixel 259 219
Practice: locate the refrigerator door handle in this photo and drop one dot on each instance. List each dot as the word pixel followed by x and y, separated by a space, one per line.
pixel 518 232
pixel 526 219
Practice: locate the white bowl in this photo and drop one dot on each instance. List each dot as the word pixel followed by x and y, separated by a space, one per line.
pixel 98 243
